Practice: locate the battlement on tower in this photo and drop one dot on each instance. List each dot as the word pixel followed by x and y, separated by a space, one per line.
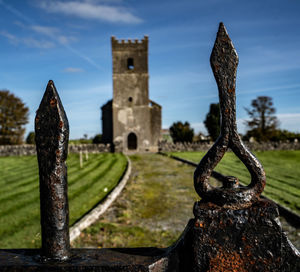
pixel 135 44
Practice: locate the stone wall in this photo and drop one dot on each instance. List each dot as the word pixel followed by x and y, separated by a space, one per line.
pixel 165 146
pixel 273 146
pixel 17 150
pixel 90 148
pixel 171 147
pixel 24 150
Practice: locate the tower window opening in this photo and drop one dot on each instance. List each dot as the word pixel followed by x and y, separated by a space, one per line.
pixel 130 64
pixel 130 99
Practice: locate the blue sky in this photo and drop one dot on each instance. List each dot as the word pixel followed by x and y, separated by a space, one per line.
pixel 69 42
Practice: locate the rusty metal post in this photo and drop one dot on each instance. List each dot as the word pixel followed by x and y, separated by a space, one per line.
pixel 233 229
pixel 224 61
pixel 52 135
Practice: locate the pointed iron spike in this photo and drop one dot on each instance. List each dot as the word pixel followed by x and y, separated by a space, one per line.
pixel 223 57
pixel 224 62
pixel 52 135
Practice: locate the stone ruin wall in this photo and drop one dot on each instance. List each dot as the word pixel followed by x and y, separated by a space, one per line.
pixel 25 150
pixel 180 147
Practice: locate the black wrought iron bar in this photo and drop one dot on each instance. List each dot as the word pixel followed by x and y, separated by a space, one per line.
pixel 51 136
pixel 224 62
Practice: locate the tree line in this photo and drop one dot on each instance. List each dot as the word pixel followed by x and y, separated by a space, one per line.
pixel 13 118
pixel 262 124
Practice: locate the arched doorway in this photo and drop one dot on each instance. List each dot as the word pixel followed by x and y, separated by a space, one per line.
pixel 132 141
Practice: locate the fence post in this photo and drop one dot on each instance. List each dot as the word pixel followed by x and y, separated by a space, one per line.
pixel 224 61
pixel 80 159
pixel 52 136
pixel 233 229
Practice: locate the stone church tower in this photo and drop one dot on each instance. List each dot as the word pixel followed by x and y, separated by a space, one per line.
pixel 131 121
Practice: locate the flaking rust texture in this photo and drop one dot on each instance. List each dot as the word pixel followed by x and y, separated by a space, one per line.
pixel 241 240
pixel 52 135
pixel 233 229
pixel 224 61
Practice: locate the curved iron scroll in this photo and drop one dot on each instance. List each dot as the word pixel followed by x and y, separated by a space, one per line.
pixel 224 61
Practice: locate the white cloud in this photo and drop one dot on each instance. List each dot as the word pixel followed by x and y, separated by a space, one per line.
pixel 38 42
pixel 268 68
pixel 258 60
pixel 52 32
pixel 73 70
pixel 30 42
pixel 29 22
pixel 272 89
pixel 42 44
pixel 65 39
pixel 55 35
pixel 12 38
pixel 90 10
pixel 289 121
pixel 46 30
pixel 241 126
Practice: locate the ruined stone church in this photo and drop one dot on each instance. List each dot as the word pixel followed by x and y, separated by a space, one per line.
pixel 131 121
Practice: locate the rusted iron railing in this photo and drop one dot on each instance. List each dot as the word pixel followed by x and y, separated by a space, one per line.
pixel 233 228
pixel 52 136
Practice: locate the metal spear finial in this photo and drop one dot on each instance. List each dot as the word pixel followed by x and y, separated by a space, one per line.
pixel 224 61
pixel 52 136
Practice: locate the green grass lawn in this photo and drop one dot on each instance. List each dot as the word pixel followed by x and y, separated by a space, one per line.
pixel 19 195
pixel 282 170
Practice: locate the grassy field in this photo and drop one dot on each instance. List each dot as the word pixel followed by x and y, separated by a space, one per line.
pixel 153 208
pixel 281 167
pixel 19 197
